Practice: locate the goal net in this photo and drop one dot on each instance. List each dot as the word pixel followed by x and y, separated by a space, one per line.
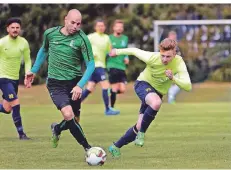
pixel 204 44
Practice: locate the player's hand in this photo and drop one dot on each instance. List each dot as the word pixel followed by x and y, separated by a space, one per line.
pixel 169 74
pixel 126 61
pixel 29 78
pixel 112 53
pixel 76 93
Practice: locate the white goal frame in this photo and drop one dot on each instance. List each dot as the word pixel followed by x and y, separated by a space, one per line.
pixel 157 23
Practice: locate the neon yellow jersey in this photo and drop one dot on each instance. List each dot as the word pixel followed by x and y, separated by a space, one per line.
pixel 154 73
pixel 12 51
pixel 101 46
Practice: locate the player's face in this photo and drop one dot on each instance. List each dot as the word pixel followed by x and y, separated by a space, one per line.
pixel 118 28
pixel 73 24
pixel 14 30
pixel 167 56
pixel 100 27
pixel 172 36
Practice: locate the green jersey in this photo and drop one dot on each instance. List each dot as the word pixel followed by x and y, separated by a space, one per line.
pixel 154 73
pixel 11 53
pixel 101 46
pixel 118 61
pixel 66 53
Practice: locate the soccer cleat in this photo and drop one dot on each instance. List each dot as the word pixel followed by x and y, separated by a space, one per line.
pixel 112 111
pixel 115 152
pixel 55 137
pixel 139 141
pixel 24 137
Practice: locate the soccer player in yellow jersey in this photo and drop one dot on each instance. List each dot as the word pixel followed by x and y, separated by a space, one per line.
pixel 162 69
pixel 101 46
pixel 12 48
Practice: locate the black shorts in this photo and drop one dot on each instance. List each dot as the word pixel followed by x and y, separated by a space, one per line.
pixel 117 76
pixel 142 88
pixel 60 92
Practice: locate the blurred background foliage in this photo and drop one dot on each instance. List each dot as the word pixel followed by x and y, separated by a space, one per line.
pixel 138 18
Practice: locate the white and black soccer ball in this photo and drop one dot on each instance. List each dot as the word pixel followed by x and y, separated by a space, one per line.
pixel 95 156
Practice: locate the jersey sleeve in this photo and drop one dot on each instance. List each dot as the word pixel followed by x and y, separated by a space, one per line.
pixel 182 79
pixel 26 56
pixel 145 56
pixel 45 44
pixel 86 48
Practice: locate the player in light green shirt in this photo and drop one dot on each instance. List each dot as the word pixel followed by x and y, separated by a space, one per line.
pixel 162 69
pixel 101 46
pixel 12 49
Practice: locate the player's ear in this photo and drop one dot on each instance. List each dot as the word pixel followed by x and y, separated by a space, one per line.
pixel 7 29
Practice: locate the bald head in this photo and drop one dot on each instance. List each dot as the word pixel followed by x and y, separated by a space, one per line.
pixel 73 21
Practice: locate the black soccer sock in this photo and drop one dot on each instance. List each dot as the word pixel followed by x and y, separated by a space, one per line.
pixel 17 119
pixel 113 98
pixel 64 125
pixel 127 138
pixel 77 133
pixel 149 116
pixel 3 110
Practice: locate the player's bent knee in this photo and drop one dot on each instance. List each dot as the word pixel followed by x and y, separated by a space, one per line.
pixel 14 102
pixel 67 112
pixel 155 105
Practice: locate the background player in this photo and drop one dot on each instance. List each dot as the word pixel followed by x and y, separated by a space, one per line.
pixel 12 48
pixel 66 48
pixel 174 89
pixel 117 65
pixel 151 85
pixel 101 46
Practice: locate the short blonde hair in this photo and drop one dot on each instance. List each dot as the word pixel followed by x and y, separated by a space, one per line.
pixel 168 44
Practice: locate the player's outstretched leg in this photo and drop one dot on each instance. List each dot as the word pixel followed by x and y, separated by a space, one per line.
pixel 77 132
pixel 127 138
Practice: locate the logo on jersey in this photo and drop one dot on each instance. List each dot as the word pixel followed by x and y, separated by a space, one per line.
pixel 72 44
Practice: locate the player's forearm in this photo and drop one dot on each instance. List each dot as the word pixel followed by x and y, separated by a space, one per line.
pixel 142 55
pixel 27 62
pixel 183 83
pixel 87 74
pixel 41 57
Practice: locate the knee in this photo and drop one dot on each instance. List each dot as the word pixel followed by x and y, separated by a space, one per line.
pixel 91 89
pixel 122 90
pixel 8 110
pixel 155 105
pixel 68 113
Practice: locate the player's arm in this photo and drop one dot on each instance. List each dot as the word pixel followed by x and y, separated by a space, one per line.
pixel 145 56
pixel 26 56
pixel 182 79
pixel 87 53
pixel 41 55
pixel 126 58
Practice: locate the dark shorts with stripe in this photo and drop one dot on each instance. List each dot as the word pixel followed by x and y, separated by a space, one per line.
pixel 60 92
pixel 142 88
pixel 9 89
pixel 117 76
pixel 98 75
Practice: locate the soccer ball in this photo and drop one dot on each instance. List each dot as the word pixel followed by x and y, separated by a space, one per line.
pixel 95 156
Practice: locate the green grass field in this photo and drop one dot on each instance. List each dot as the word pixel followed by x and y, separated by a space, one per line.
pixel 194 133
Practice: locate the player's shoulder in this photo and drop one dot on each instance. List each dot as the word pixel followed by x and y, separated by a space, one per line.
pixel 53 29
pixel 22 39
pixel 179 58
pixel 82 33
pixel 3 39
pixel 124 36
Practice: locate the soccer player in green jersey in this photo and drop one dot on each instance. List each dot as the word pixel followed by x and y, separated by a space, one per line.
pixel 66 47
pixel 101 46
pixel 162 69
pixel 117 65
pixel 12 48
